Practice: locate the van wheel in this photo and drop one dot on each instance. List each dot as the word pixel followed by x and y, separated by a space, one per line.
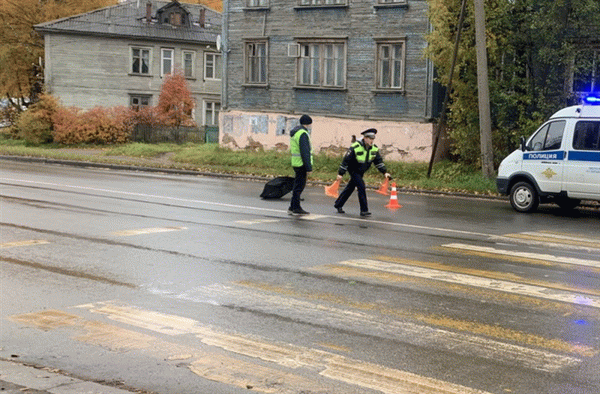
pixel 524 197
pixel 567 203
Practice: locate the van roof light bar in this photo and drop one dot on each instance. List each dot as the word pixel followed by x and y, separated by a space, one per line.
pixel 592 99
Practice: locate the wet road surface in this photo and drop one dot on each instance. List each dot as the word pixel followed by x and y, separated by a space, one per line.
pixel 183 284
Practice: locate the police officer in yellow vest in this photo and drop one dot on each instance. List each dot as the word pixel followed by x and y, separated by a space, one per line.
pixel 356 162
pixel 302 161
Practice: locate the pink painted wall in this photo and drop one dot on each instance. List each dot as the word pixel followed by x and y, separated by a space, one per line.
pixel 398 141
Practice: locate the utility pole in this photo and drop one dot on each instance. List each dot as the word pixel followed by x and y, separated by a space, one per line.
pixel 485 122
pixel 442 121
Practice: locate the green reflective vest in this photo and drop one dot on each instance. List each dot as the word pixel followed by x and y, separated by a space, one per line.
pixel 295 149
pixel 359 152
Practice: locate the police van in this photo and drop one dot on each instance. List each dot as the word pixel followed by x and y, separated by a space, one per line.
pixel 559 163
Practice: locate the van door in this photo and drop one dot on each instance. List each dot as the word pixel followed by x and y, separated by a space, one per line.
pixel 582 163
pixel 544 158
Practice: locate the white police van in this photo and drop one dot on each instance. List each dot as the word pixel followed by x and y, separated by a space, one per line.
pixel 559 163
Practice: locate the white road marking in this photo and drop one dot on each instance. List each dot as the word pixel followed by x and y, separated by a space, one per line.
pixel 526 255
pixel 23 243
pixel 330 365
pixel 382 326
pixel 552 240
pixel 128 233
pixel 248 208
pixel 476 281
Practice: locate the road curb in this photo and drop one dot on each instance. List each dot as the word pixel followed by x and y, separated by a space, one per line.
pixel 19 378
pixel 177 171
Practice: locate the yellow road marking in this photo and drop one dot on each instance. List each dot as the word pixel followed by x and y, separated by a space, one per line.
pixel 500 276
pixel 492 331
pixel 209 365
pixel 128 233
pixel 23 243
pixel 557 240
pixel 404 331
pixel 397 280
pixel 525 257
pixel 333 366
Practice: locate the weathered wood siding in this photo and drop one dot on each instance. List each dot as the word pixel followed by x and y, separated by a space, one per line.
pixel 88 71
pixel 361 23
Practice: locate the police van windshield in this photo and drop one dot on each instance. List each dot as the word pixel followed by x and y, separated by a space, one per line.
pixel 549 137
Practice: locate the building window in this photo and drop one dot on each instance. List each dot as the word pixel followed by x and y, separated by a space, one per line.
pixel 322 64
pixel 166 61
pixel 137 102
pixel 140 61
pixel 211 113
pixel 257 3
pixel 189 64
pixel 391 2
pixel 390 65
pixel 586 72
pixel 321 3
pixel 256 62
pixel 212 66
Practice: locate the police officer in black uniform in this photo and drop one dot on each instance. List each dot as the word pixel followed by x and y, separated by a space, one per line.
pixel 356 162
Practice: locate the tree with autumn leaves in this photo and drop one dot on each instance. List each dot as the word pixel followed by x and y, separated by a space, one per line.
pixel 22 49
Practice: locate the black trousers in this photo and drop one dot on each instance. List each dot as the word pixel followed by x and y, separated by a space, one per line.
pixel 356 182
pixel 299 185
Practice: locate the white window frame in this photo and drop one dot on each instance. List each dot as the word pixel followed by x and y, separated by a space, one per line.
pixel 211 108
pixel 184 61
pixel 257 3
pixel 164 60
pixel 391 2
pixel 322 3
pixel 256 64
pixel 391 65
pixel 322 64
pixel 215 64
pixel 133 57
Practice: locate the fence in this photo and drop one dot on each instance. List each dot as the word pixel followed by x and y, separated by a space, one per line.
pixel 178 135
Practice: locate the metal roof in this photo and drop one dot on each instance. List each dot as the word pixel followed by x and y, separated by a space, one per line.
pixel 128 19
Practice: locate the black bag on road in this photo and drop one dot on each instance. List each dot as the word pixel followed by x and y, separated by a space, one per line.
pixel 278 187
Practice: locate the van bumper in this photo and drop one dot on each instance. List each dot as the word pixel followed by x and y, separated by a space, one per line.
pixel 502 185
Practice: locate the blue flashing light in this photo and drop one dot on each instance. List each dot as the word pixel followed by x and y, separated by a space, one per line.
pixel 592 100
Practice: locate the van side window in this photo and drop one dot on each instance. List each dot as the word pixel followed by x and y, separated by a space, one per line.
pixel 587 136
pixel 549 137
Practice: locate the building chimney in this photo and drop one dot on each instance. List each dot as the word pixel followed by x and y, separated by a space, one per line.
pixel 148 12
pixel 202 18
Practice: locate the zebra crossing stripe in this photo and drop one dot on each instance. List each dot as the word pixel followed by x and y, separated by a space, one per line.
pixel 128 233
pixel 23 243
pixel 329 365
pixel 477 281
pixel 555 240
pixel 381 326
pixel 523 256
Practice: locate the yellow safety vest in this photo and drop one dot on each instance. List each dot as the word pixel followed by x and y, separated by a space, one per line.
pixel 359 152
pixel 295 148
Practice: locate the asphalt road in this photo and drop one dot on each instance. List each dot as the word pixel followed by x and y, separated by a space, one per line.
pixel 164 283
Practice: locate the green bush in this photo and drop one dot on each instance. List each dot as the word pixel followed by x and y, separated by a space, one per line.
pixel 33 128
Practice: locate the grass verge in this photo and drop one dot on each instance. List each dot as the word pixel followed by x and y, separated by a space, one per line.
pixel 446 176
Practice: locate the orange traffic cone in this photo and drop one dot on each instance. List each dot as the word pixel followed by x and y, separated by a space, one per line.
pixel 393 204
pixel 332 191
pixel 383 189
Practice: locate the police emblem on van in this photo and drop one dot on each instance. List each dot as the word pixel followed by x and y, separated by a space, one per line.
pixel 549 173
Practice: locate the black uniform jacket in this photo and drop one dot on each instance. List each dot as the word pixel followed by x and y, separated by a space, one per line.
pixel 352 165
